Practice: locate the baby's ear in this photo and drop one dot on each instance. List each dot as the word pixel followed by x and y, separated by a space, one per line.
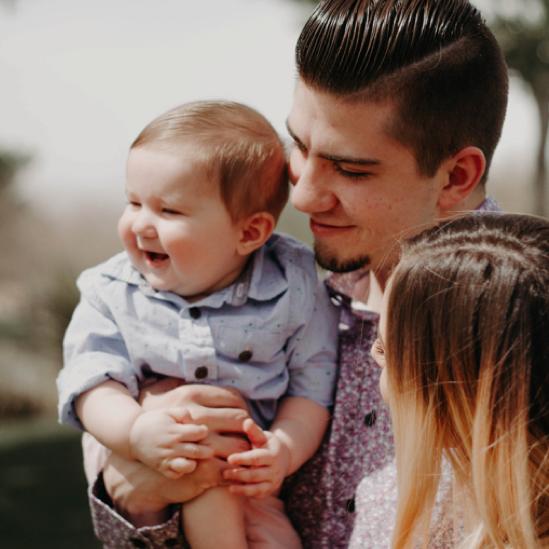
pixel 254 232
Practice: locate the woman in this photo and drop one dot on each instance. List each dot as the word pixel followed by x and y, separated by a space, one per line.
pixel 464 346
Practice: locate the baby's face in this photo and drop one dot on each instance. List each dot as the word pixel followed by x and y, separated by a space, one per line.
pixel 175 227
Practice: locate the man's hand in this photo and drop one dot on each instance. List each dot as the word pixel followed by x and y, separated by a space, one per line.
pixel 262 469
pixel 142 495
pixel 221 410
pixel 165 441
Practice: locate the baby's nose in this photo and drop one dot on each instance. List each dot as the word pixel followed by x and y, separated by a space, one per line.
pixel 143 226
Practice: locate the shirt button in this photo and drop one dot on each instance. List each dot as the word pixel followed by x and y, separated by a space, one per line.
pixel 137 542
pixel 370 419
pixel 201 372
pixel 194 312
pixel 350 505
pixel 245 355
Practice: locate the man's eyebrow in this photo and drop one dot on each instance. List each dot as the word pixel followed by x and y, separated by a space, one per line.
pixel 351 160
pixel 336 157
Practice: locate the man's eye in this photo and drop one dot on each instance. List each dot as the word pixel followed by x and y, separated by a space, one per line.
pixel 352 174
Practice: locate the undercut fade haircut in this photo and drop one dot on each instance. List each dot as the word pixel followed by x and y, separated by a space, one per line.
pixel 436 60
pixel 238 147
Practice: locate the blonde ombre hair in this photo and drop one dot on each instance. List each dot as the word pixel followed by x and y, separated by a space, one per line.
pixel 467 353
pixel 238 147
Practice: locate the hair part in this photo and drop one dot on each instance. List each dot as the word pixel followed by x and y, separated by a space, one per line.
pixel 478 393
pixel 238 147
pixel 436 60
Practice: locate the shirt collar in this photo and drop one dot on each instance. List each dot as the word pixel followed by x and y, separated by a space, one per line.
pixel 262 279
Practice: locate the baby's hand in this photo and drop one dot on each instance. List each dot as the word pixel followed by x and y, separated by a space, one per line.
pixel 162 440
pixel 263 468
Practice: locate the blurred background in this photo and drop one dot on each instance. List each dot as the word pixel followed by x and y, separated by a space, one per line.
pixel 79 79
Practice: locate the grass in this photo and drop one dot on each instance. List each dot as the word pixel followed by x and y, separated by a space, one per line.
pixel 43 499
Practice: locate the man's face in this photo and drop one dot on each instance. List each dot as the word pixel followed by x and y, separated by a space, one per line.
pixel 360 187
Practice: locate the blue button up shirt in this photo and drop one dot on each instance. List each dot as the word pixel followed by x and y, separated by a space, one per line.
pixel 271 333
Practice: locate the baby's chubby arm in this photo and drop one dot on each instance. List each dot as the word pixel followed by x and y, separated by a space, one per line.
pixel 295 435
pixel 163 439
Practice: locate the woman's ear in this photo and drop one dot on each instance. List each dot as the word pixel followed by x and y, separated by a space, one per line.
pixel 254 232
pixel 463 172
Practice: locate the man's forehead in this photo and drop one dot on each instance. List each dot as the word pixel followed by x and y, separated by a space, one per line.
pixel 326 123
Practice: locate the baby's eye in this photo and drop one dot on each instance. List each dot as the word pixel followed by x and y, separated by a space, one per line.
pixel 134 203
pixel 171 211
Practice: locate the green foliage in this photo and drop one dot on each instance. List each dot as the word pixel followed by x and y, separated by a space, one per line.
pixel 525 41
pixel 10 163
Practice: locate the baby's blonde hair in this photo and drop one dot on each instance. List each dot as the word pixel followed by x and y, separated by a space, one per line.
pixel 237 146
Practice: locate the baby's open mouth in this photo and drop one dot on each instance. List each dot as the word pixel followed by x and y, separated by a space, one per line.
pixel 155 257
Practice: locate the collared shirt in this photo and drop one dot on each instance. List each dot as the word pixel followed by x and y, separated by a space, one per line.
pixel 271 333
pixel 324 499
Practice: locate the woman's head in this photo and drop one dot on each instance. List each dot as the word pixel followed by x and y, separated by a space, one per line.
pixel 467 352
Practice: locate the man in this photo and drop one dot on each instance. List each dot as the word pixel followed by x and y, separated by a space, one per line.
pixel 397 111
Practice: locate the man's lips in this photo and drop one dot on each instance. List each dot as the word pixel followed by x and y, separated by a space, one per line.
pixel 327 229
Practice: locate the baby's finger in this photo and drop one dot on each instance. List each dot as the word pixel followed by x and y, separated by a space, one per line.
pixel 259 490
pixel 259 474
pixel 193 451
pixel 190 433
pixel 181 466
pixel 254 432
pixel 253 458
pixel 224 445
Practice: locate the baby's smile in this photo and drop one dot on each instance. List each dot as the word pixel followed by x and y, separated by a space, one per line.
pixel 155 258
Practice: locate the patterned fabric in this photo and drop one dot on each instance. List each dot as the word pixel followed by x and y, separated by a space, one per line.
pixel 272 333
pixel 117 533
pixel 324 498
pixel 320 497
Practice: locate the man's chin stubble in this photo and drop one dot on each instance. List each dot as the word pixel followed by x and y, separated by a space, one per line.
pixel 330 263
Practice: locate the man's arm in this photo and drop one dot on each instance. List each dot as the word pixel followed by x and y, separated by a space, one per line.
pixel 141 496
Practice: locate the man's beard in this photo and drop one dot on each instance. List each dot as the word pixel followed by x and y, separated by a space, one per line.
pixel 329 262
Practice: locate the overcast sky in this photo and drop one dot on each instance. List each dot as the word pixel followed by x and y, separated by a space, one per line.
pixel 80 78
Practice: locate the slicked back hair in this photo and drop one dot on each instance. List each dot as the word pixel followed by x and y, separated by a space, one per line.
pixel 237 146
pixel 435 59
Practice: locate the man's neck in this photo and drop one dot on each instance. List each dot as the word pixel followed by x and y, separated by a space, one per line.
pixel 377 281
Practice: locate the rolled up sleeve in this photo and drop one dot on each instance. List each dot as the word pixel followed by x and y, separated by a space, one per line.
pixel 94 351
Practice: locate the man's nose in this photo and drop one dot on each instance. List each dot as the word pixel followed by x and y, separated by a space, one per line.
pixel 310 192
pixel 143 224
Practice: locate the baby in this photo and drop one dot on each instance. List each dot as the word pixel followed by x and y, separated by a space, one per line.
pixel 206 292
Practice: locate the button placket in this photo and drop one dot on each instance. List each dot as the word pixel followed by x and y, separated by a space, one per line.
pixel 198 352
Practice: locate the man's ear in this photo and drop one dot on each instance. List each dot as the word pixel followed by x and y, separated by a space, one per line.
pixel 462 171
pixel 254 232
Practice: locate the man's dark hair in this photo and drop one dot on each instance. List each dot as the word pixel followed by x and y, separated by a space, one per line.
pixel 436 59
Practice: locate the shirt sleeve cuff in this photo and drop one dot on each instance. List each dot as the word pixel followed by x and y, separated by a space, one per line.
pixel 114 531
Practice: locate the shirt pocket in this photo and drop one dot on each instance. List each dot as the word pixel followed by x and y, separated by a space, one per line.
pixel 250 344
